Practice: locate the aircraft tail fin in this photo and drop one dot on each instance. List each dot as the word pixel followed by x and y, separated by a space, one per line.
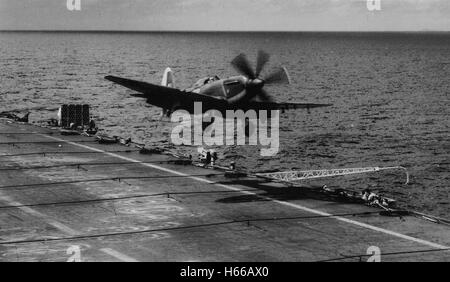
pixel 167 81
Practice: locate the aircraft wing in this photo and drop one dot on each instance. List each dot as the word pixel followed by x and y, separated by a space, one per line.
pixel 285 106
pixel 166 97
pixel 171 98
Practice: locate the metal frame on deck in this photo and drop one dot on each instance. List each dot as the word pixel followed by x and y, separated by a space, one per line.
pixel 293 176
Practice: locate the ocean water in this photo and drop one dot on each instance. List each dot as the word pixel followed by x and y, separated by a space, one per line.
pixel 390 94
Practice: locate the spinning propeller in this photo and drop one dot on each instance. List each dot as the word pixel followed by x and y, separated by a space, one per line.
pixel 255 83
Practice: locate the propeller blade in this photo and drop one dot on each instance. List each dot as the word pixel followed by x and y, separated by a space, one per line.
pixel 243 97
pixel 280 76
pixel 264 96
pixel 242 65
pixel 261 61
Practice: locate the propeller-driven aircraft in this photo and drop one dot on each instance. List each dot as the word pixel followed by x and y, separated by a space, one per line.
pixel 243 92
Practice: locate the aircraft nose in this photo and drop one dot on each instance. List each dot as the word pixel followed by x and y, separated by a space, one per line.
pixel 256 83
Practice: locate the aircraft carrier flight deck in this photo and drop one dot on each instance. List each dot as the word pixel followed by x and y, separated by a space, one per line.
pixel 69 197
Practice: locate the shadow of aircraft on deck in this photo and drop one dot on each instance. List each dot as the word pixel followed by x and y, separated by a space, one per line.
pixel 286 193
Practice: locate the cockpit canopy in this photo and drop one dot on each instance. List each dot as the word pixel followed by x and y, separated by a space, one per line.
pixel 206 80
pixel 221 88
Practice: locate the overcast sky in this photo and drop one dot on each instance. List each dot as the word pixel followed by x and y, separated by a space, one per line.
pixel 238 15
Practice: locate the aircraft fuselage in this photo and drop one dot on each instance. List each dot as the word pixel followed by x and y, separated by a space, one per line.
pixel 220 88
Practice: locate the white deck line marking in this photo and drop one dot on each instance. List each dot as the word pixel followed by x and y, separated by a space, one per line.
pixel 118 255
pixel 60 226
pixel 296 206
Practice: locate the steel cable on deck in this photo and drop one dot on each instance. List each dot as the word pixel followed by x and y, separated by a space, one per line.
pixel 99 200
pixel 428 217
pixel 27 133
pixel 109 179
pixel 213 224
pixel 67 152
pixel 46 142
pixel 86 164
pixel 360 257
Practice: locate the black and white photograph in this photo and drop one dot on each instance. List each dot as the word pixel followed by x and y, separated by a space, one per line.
pixel 243 133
